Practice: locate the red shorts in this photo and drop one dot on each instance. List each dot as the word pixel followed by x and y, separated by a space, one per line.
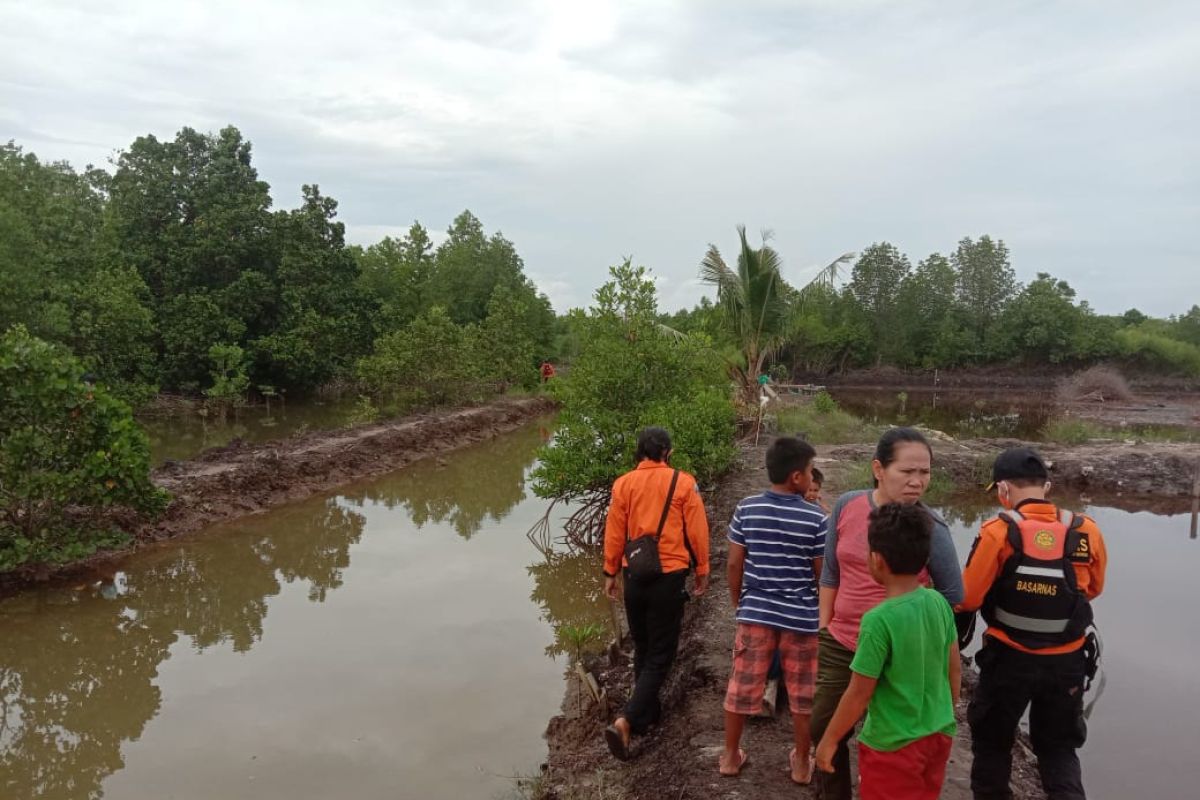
pixel 914 772
pixel 754 648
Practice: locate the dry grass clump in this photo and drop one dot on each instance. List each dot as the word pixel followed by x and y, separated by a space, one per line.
pixel 1095 384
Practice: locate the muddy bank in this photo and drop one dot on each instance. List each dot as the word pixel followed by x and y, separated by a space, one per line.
pixel 236 480
pixel 679 759
pixel 1157 476
pixel 991 379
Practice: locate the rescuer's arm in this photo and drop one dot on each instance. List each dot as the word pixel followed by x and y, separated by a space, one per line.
pixel 983 565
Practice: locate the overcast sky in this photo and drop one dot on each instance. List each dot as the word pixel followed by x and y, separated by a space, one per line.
pixel 589 131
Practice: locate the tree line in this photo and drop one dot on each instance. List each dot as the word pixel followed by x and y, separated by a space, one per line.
pixel 174 273
pixel 962 310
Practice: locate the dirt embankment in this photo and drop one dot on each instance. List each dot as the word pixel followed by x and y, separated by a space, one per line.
pixel 1142 476
pixel 236 480
pixel 991 379
pixel 678 760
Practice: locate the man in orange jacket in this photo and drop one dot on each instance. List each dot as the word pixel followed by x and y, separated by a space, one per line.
pixel 654 604
pixel 1033 571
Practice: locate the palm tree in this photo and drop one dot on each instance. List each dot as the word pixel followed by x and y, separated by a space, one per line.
pixel 755 306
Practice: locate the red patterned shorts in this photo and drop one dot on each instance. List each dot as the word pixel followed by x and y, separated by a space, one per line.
pixel 754 647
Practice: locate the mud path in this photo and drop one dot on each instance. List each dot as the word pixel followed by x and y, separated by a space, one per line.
pixel 678 760
pixel 236 480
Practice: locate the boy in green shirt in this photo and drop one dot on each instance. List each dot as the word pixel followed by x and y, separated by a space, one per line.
pixel 907 672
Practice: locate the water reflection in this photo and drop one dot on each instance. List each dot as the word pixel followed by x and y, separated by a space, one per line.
pixel 78 666
pixel 477 485
pixel 136 682
pixel 960 414
pixel 186 435
pixel 570 596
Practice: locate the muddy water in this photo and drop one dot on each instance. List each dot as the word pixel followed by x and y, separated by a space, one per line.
pixel 389 641
pixel 958 413
pixel 1144 727
pixel 184 436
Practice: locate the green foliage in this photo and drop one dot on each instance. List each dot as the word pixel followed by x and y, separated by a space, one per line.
pixel 823 403
pixel 505 349
pixel 875 284
pixel 229 379
pixel 113 332
pixel 1041 321
pixel 1072 430
pixel 986 282
pixel 757 310
pixel 1143 346
pixel 579 637
pixel 426 363
pixel 825 423
pixel 69 449
pixel 628 375
pixel 364 412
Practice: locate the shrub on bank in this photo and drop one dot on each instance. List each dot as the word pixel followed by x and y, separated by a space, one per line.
pixel 68 450
pixel 631 373
pixel 822 421
pixel 1157 351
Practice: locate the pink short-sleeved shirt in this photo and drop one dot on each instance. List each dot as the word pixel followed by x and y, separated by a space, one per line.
pixel 857 591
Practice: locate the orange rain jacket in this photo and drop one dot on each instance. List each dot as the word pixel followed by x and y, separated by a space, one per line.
pixel 637 503
pixel 991 550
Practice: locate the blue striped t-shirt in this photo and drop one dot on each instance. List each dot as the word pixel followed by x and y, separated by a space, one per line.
pixel 782 534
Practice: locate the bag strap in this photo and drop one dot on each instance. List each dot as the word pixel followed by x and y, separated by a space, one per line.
pixel 667 505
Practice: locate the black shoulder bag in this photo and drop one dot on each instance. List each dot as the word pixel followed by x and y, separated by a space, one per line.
pixel 641 554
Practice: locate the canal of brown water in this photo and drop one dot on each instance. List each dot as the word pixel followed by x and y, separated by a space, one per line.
pixel 387 641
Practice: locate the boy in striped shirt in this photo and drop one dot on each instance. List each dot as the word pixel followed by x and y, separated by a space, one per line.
pixel 776 544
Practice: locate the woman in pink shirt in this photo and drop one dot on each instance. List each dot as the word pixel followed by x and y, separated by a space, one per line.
pixel 902 464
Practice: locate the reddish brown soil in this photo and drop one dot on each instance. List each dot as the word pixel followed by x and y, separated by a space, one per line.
pixel 237 480
pixel 1157 476
pixel 679 759
pixel 1000 378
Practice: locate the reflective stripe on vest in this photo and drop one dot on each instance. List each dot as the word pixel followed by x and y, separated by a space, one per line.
pixel 1030 623
pixel 1045 572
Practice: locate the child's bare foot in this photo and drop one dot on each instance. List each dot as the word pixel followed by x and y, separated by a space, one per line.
pixel 731 763
pixel 802 768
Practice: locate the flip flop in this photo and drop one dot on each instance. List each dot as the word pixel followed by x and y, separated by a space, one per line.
pixel 617 745
pixel 812 763
pixel 742 759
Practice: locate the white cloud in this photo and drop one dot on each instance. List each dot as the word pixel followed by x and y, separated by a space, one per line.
pixel 591 131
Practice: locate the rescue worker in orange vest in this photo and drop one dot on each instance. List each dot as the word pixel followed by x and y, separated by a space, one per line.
pixel 1033 571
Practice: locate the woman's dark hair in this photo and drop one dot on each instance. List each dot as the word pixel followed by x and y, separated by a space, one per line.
pixel 901 535
pixel 652 443
pixel 885 451
pixel 787 455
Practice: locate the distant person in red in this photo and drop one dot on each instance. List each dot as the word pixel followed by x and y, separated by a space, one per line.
pixel 547 371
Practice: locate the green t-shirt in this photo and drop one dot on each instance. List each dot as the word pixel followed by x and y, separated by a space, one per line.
pixel 905 643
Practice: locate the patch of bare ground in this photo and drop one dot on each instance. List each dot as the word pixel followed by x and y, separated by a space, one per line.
pixel 678 759
pixel 1146 474
pixel 237 480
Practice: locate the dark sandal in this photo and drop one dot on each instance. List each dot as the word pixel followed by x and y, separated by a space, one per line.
pixel 617 745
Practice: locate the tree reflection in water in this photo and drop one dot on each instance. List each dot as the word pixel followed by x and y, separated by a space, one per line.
pixel 569 592
pixel 78 667
pixel 479 483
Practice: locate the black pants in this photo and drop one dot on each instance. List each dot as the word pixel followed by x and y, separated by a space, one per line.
pixel 1052 688
pixel 655 610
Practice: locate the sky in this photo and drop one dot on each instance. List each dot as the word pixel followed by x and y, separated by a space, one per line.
pixel 587 132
